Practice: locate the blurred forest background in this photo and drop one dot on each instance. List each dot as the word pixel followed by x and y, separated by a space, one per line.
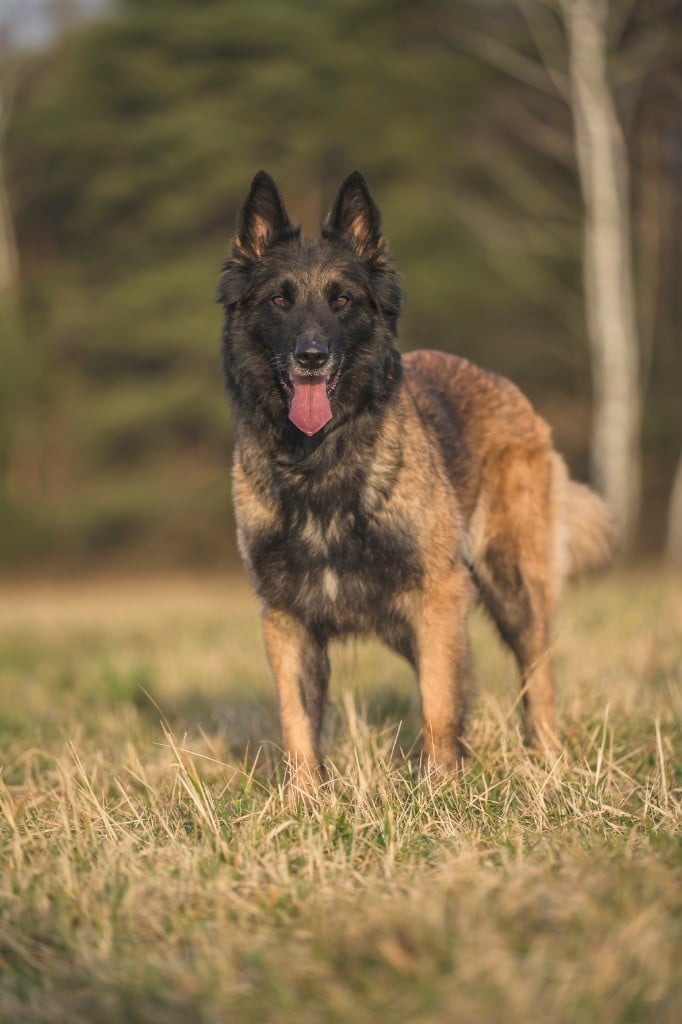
pixel 129 132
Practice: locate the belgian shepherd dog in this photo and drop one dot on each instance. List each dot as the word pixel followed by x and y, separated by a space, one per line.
pixel 379 494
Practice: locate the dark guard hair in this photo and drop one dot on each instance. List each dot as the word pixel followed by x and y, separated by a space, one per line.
pixel 269 260
pixel 371 493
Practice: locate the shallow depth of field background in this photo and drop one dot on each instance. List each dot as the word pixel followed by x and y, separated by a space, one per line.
pixel 152 868
pixel 128 143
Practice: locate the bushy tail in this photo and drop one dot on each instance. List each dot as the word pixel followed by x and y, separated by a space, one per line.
pixel 592 533
pixel 587 534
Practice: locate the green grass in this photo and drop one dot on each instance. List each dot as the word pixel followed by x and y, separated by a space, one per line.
pixel 152 869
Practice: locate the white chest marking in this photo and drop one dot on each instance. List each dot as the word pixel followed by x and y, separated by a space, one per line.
pixel 330 583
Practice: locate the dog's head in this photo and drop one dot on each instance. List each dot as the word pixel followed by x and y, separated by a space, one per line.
pixel 310 325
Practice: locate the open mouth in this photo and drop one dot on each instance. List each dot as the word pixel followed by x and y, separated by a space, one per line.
pixel 308 397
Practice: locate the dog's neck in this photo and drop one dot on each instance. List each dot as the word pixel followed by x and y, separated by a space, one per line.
pixel 359 451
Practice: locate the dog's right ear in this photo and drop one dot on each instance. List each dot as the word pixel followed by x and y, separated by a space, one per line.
pixel 262 218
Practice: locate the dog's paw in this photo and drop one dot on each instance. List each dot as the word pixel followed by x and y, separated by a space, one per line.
pixel 304 783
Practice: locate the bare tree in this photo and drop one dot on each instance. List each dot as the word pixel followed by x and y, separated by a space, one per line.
pixel 573 66
pixel 9 262
pixel 673 545
pixel 9 258
pixel 607 264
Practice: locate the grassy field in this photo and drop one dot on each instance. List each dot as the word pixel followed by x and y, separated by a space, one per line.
pixel 152 870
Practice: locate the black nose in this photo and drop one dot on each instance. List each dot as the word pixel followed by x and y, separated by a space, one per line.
pixel 311 355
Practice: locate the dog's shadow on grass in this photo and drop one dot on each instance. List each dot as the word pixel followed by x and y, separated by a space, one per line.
pixel 243 726
pixel 237 725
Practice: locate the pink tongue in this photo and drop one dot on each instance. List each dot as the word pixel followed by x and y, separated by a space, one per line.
pixel 310 409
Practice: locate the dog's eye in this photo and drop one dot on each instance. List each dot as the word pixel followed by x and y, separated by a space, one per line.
pixel 279 301
pixel 340 301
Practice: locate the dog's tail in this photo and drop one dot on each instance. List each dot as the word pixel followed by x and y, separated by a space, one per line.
pixel 587 536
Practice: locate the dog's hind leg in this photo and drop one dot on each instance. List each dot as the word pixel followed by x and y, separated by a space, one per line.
pixel 516 578
pixel 300 666
pixel 519 606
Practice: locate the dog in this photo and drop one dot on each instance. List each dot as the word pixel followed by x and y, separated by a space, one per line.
pixel 374 493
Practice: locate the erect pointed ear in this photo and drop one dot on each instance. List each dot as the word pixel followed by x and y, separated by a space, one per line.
pixel 355 216
pixel 261 219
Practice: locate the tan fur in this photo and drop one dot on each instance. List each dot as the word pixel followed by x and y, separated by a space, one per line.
pixel 588 534
pixel 429 480
pixel 465 470
pixel 301 706
pixel 442 645
pixel 522 514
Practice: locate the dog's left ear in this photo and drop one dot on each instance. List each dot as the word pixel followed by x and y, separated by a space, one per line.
pixel 355 216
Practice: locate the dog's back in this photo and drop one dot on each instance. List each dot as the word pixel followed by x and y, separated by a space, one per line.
pixel 489 434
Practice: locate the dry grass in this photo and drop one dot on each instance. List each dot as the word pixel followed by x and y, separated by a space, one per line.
pixel 152 871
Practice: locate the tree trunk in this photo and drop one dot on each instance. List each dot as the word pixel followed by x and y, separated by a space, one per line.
pixel 673 542
pixel 607 266
pixel 9 260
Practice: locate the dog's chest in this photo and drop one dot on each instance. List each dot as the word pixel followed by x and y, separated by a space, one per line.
pixel 336 566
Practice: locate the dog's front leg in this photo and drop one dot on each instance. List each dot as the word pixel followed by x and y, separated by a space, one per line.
pixel 300 666
pixel 443 665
